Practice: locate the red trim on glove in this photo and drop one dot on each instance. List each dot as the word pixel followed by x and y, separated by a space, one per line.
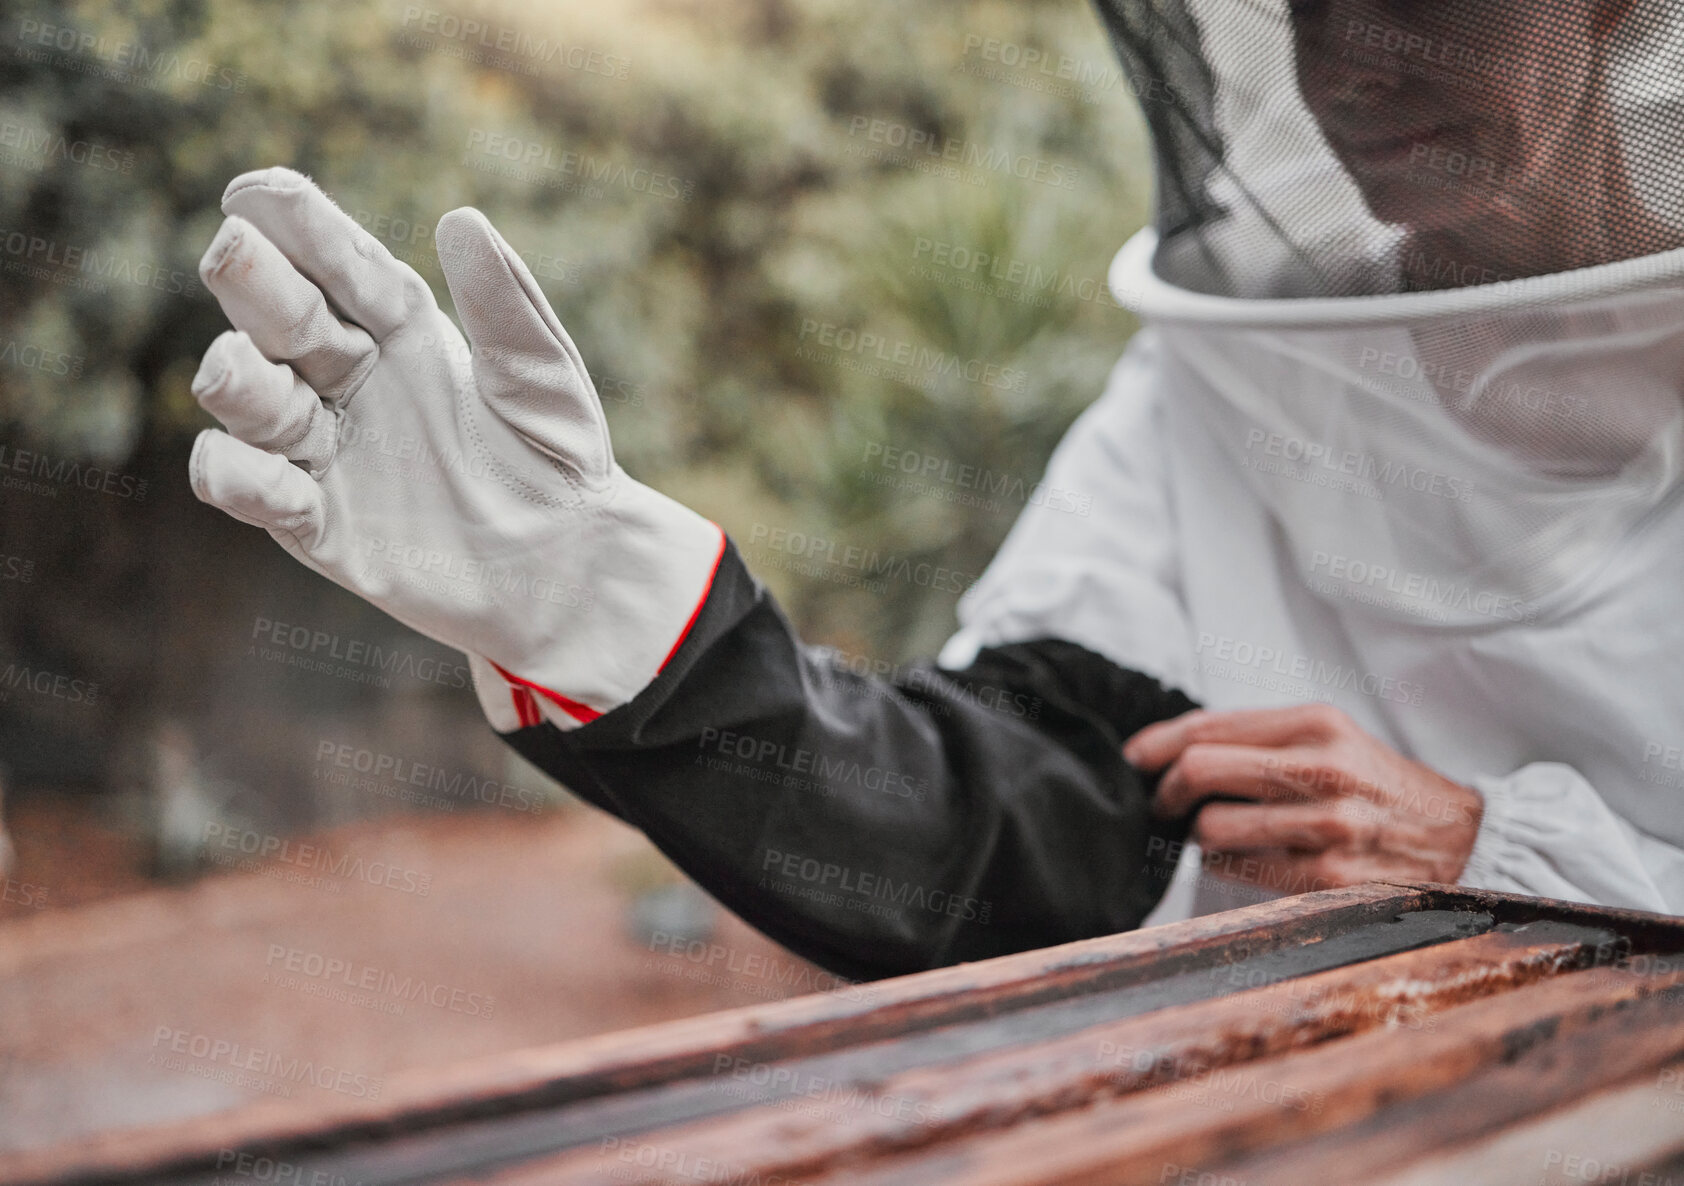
pixel 583 713
pixel 526 708
pixel 701 601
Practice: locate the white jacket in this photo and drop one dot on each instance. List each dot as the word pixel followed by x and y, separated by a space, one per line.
pixel 1569 721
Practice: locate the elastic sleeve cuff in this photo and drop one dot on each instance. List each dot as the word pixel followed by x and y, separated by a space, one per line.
pixel 1487 857
pixel 1548 834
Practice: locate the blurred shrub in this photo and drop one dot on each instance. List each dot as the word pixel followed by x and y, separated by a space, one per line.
pixel 808 144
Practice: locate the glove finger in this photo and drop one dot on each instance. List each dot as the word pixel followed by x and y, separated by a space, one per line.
pixel 525 364
pixel 353 268
pixel 264 403
pixel 256 487
pixel 285 315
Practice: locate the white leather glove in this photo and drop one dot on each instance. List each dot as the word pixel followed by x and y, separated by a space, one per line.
pixel 473 497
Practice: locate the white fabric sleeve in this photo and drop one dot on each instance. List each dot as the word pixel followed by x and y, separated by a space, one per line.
pixel 1093 558
pixel 1546 832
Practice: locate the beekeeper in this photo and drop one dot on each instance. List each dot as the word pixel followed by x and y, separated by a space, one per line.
pixel 1380 577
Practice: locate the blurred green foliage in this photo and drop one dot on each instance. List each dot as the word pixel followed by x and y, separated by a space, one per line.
pixel 690 312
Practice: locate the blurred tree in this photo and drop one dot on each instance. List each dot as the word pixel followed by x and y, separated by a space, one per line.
pixel 828 171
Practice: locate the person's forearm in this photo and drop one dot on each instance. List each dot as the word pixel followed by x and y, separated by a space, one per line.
pixel 879 828
pixel 875 829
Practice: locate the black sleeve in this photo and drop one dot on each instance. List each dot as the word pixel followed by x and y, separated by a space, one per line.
pixel 878 827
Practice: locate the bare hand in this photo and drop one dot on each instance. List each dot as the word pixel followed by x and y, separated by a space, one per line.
pixel 1333 806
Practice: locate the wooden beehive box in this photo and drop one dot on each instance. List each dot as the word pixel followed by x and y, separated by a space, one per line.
pixel 1394 1033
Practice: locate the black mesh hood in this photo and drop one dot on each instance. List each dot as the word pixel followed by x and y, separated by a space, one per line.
pixel 1357 147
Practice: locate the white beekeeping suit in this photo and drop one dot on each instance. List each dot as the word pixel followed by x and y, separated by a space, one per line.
pixel 1403 429
pixel 1403 432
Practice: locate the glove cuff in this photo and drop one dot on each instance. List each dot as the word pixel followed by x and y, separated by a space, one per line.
pixel 645 567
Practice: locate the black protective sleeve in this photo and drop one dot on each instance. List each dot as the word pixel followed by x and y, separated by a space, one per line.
pixel 878 827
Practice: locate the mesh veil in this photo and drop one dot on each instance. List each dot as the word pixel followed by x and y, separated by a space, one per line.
pixel 1345 147
pixel 1416 264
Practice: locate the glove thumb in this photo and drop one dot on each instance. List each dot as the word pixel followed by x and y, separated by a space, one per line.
pixel 525 365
